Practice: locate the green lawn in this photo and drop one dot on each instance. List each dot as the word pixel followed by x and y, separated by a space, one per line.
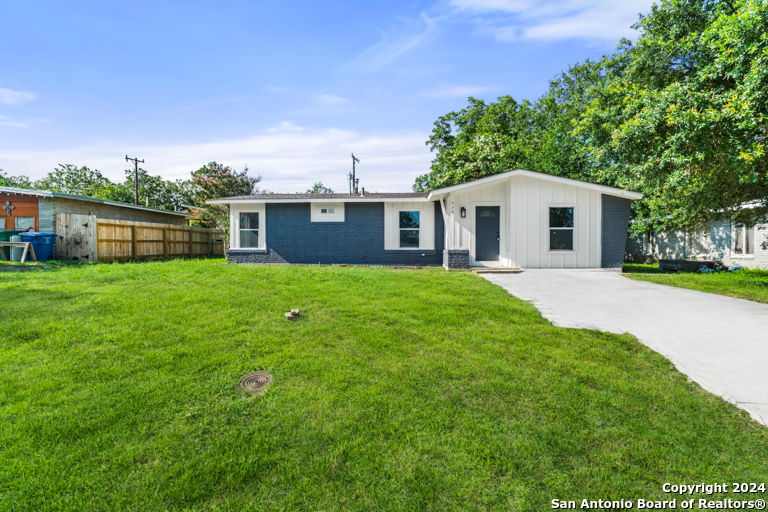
pixel 397 390
pixel 743 284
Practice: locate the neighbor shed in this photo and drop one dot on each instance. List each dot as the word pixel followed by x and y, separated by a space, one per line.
pixel 68 215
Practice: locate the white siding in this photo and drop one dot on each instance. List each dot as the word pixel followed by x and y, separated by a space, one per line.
pixel 426 225
pixel 234 224
pixel 336 216
pixel 524 204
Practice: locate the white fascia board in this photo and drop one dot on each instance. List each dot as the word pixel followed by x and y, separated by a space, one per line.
pixel 612 191
pixel 332 200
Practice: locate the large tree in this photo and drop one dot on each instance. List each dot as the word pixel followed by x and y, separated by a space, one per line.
pixel 489 138
pixel 683 114
pixel 156 192
pixel 216 181
pixel 71 179
pixel 479 140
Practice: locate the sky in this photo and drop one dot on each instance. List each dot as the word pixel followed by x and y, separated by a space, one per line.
pixel 289 89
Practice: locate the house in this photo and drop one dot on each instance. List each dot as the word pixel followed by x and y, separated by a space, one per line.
pixel 717 240
pixel 513 219
pixel 46 211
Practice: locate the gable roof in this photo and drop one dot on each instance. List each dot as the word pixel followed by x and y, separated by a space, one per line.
pixel 47 193
pixel 611 191
pixel 322 198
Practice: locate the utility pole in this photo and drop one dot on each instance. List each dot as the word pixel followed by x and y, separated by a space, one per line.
pixel 135 176
pixel 353 184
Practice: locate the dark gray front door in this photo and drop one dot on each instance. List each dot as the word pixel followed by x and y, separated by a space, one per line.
pixel 487 233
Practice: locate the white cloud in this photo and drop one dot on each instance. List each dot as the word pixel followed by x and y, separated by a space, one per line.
pixel 288 161
pixel 455 91
pixel 491 5
pixel 330 99
pixel 286 126
pixel 394 44
pixel 11 97
pixel 514 20
pixel 7 121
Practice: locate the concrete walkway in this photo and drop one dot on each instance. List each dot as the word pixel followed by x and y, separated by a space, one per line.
pixel 719 342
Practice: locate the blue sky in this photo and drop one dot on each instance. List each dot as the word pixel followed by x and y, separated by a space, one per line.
pixel 288 88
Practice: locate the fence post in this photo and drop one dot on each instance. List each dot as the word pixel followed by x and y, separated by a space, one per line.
pixel 133 241
pixel 189 244
pixel 165 243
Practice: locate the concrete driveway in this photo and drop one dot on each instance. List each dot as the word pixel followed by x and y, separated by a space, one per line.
pixel 719 342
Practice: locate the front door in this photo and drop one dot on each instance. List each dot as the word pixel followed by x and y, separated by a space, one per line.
pixel 487 233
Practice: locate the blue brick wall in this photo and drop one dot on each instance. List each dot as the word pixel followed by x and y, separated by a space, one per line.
pixel 293 238
pixel 614 228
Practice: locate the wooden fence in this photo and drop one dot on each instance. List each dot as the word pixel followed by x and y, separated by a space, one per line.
pixel 88 238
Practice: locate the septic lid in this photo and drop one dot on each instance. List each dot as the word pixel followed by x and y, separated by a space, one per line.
pixel 255 383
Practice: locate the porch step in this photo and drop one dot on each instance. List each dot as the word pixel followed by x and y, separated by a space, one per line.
pixel 497 270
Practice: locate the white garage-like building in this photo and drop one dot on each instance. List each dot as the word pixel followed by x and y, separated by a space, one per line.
pixel 532 220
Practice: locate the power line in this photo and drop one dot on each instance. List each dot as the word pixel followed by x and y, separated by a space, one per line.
pixel 135 176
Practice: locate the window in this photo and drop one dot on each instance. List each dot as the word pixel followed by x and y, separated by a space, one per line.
pixel 327 211
pixel 409 230
pixel 561 229
pixel 25 222
pixel 743 240
pixel 249 230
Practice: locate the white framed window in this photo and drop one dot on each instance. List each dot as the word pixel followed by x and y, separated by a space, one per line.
pixel 327 211
pixel 743 240
pixel 24 222
pixel 249 230
pixel 561 228
pixel 409 224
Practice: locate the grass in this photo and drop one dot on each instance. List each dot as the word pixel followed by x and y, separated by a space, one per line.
pixel 397 390
pixel 750 284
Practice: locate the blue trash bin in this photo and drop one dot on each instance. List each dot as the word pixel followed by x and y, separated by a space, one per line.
pixel 43 243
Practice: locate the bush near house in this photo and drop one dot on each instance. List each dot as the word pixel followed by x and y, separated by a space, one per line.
pixel 396 390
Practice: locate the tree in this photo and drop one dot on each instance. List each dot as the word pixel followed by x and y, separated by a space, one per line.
pixel 156 192
pixel 70 179
pixel 14 181
pixel 115 192
pixel 683 114
pixel 486 139
pixel 319 188
pixel 217 181
pixel 480 140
